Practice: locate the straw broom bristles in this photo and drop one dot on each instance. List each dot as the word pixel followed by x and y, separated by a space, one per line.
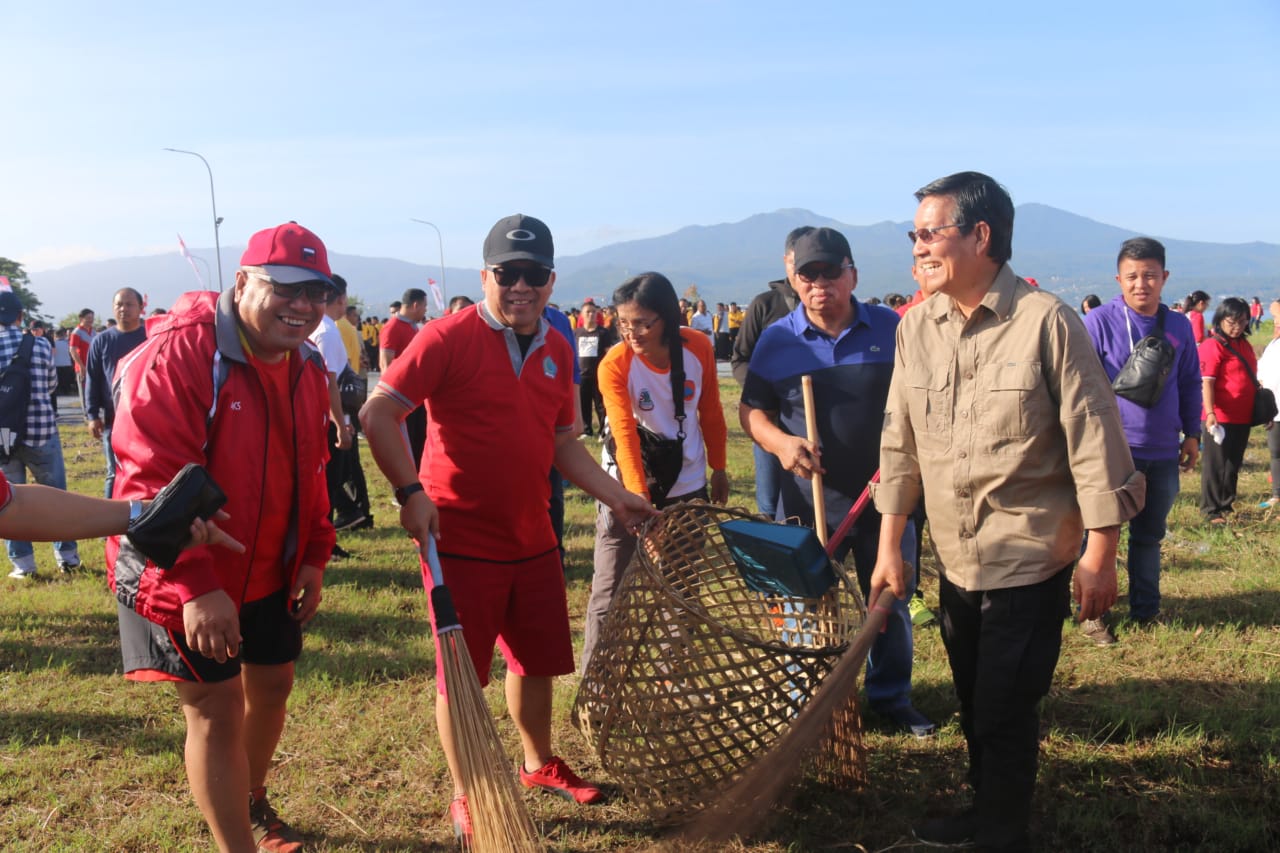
pixel 745 806
pixel 500 823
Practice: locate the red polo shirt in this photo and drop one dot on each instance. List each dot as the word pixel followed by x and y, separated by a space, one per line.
pixel 492 422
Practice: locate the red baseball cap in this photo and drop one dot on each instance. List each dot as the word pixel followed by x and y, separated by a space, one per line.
pixel 289 253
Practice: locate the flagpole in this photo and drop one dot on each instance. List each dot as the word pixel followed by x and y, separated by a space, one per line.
pixel 444 290
pixel 217 220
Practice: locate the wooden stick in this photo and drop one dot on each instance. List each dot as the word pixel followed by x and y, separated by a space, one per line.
pixel 811 429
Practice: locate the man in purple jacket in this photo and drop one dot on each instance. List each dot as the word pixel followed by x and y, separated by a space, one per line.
pixel 1164 438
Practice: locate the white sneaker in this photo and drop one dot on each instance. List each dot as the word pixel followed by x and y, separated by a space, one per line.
pixel 19 575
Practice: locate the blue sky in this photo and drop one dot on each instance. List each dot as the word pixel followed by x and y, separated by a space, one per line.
pixel 614 122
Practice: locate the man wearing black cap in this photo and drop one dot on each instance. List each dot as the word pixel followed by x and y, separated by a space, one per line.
pixel 498 385
pixel 40 447
pixel 847 347
pixel 230 381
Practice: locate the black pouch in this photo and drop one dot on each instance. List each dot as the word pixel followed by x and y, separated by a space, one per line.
pixel 164 526
pixel 1143 377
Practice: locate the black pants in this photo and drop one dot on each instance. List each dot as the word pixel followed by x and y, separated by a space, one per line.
pixel 589 397
pixel 1003 646
pixel 1220 469
pixel 348 492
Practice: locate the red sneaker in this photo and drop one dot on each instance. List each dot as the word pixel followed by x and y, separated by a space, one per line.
pixel 460 814
pixel 556 777
pixel 269 831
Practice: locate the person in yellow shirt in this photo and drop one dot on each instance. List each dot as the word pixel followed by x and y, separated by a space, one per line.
pixel 735 321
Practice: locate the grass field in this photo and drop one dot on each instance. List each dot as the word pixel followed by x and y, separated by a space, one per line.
pixel 1168 741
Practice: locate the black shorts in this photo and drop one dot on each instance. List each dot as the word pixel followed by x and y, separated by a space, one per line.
pixel 154 653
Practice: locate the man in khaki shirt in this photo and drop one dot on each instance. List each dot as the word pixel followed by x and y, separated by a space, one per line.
pixel 1000 411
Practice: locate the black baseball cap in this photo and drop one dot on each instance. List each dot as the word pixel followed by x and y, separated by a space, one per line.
pixel 519 238
pixel 822 245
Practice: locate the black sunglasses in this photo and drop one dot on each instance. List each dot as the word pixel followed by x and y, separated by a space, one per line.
pixel 533 276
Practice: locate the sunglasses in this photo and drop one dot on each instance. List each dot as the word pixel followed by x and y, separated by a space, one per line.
pixel 809 275
pixel 316 292
pixel 533 276
pixel 928 235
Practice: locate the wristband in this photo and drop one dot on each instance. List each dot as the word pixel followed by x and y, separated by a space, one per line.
pixel 403 493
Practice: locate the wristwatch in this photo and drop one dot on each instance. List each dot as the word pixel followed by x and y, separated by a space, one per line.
pixel 135 510
pixel 403 493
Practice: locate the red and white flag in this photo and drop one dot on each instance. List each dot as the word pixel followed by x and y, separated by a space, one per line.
pixel 4 283
pixel 182 248
pixel 436 296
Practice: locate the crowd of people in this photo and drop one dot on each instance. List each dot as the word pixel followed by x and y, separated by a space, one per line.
pixel 982 406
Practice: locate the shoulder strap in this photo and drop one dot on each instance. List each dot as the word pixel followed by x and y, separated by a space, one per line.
pixel 22 358
pixel 1229 348
pixel 677 384
pixel 1161 313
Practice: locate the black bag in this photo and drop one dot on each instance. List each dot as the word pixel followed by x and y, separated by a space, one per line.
pixel 663 458
pixel 1264 401
pixel 353 389
pixel 15 396
pixel 1144 374
pixel 164 526
pixel 1264 407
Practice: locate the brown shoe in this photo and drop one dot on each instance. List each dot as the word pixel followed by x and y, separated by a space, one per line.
pixel 1097 630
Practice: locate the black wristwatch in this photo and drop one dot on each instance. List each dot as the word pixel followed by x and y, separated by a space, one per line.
pixel 405 492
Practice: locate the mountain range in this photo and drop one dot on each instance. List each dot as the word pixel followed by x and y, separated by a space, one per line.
pixel 1068 254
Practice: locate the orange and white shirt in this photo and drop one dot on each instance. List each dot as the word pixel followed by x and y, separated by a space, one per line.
pixel 635 391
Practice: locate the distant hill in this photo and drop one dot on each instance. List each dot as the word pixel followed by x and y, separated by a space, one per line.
pixel 1069 254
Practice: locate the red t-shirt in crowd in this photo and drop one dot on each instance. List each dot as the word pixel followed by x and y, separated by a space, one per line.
pixel 80 339
pixel 396 335
pixel 1233 387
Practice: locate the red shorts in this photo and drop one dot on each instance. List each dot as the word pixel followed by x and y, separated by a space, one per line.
pixel 520 606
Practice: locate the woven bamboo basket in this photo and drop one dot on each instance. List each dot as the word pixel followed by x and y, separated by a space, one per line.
pixel 695 674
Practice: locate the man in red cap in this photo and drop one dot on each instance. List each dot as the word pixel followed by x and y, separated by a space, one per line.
pixel 230 381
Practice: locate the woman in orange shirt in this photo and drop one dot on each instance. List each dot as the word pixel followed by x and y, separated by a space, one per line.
pixel 635 380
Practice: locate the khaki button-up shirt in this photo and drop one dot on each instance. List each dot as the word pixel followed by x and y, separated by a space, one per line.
pixel 1006 420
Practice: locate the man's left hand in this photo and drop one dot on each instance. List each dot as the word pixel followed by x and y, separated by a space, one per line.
pixel 1189 453
pixel 1094 584
pixel 304 598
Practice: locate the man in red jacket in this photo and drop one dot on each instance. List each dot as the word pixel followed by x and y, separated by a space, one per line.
pixel 231 382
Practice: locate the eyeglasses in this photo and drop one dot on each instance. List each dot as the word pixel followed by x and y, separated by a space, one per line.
pixel 629 326
pixel 316 292
pixel 829 273
pixel 533 276
pixel 928 235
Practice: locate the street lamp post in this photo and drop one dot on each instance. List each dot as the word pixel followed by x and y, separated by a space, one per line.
pixel 217 220
pixel 444 293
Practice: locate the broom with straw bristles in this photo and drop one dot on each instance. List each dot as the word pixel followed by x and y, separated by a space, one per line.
pixel 500 823
pixel 745 807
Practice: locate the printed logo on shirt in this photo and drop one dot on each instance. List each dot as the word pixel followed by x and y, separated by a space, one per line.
pixel 688 390
pixel 645 403
pixel 235 405
pixel 549 367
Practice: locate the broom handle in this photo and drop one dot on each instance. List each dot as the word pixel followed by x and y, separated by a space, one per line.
pixel 441 599
pixel 811 428
pixel 852 516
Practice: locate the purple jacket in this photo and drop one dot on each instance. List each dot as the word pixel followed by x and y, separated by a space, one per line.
pixel 1154 434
